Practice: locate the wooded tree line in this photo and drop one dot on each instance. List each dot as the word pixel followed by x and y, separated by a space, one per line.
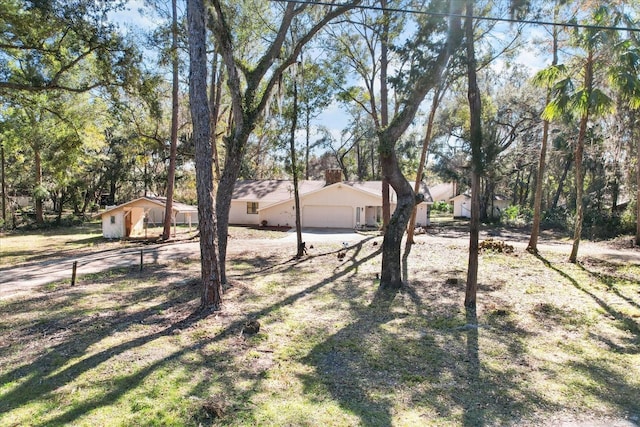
pixel 512 106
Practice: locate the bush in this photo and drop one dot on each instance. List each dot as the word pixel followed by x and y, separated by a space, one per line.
pixel 557 219
pixel 516 215
pixel 444 207
pixel 628 218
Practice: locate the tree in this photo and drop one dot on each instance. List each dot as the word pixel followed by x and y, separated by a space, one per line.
pixel 475 139
pixel 62 45
pixel 537 206
pixel 173 151
pixel 426 74
pixel 294 162
pixel 437 96
pixel 625 78
pixel 211 296
pixel 252 79
pixel 582 99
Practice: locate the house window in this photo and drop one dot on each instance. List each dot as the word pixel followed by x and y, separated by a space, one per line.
pixel 252 208
pixel 113 219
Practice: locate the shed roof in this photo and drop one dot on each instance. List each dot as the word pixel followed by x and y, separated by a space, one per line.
pixel 154 200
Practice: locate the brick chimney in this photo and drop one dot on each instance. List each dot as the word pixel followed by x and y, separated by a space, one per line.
pixel 331 176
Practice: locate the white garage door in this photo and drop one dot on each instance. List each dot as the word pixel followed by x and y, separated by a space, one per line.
pixel 327 216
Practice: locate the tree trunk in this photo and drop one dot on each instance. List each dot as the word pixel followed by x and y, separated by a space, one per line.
pixel 537 203
pixel 173 151
pixel 475 110
pixel 60 205
pixel 294 169
pixel 391 277
pixel 38 183
pixel 422 164
pixel 214 101
pixel 567 166
pixel 588 80
pixel 211 296
pixel 638 192
pixel 474 234
pixel 232 162
pixel 384 107
pixel 4 188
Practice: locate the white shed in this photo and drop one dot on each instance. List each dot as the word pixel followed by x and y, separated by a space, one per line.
pixel 131 219
pixel 462 206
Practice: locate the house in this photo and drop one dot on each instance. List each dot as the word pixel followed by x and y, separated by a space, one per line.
pixel 329 203
pixel 132 218
pixel 462 206
pixel 443 192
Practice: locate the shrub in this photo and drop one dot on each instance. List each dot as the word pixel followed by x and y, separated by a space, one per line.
pixel 628 218
pixel 443 207
pixel 516 215
pixel 557 218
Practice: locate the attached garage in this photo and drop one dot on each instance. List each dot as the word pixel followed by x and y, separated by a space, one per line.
pixel 327 216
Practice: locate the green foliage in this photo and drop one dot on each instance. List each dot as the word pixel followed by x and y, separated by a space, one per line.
pixel 41 193
pixel 599 224
pixel 628 218
pixel 444 207
pixel 558 218
pixel 516 215
pixel 63 45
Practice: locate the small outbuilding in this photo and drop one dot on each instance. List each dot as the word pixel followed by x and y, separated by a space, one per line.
pixel 131 219
pixel 462 206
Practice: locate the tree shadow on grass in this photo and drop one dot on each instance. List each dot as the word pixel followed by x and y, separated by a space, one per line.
pixel 611 278
pixel 427 361
pixel 623 321
pixel 607 384
pixel 64 363
pixel 73 332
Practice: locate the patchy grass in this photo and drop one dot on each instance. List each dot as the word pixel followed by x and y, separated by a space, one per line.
pixel 550 341
pixel 19 247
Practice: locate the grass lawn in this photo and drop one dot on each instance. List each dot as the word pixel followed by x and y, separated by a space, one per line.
pixel 550 341
pixel 20 247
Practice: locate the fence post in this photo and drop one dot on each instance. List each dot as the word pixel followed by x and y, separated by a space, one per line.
pixel 73 273
pixel 141 259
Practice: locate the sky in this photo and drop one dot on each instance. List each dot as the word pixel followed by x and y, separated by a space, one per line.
pixel 333 118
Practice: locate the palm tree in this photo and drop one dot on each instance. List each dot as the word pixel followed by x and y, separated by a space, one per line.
pixel 580 98
pixel 624 77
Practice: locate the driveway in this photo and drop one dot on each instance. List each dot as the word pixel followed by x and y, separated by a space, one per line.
pixel 14 280
pixel 24 278
pixel 325 235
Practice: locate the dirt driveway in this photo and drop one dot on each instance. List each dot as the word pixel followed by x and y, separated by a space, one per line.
pixel 26 277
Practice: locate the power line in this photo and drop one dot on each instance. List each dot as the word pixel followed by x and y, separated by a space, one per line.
pixel 479 18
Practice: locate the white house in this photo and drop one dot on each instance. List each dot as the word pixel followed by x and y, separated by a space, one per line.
pixel 131 219
pixel 443 192
pixel 331 203
pixel 462 206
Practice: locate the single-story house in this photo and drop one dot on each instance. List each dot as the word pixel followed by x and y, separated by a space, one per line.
pixel 132 218
pixel 329 203
pixel 462 206
pixel 443 192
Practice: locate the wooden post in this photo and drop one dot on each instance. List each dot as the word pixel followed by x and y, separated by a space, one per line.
pixel 141 252
pixel 73 273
